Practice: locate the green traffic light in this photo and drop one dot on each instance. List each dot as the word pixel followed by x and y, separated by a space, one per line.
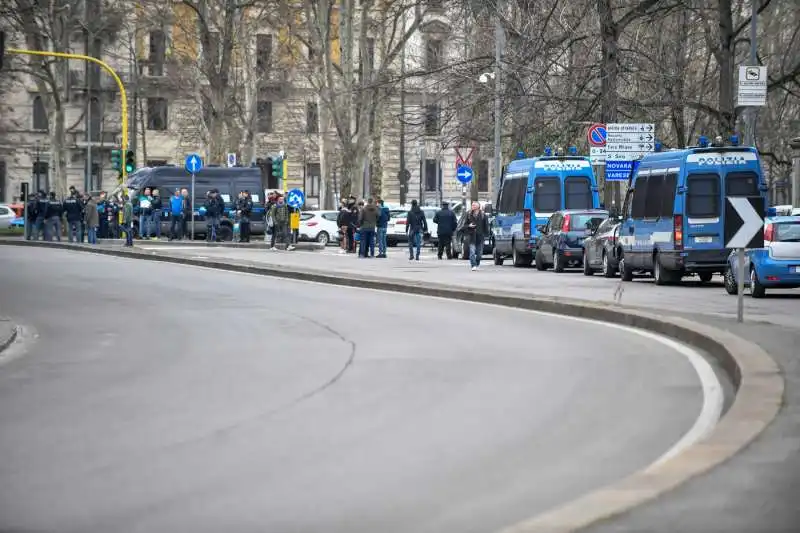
pixel 130 161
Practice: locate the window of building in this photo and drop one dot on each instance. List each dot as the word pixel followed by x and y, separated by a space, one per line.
pixel 312 117
pixel 96 119
pixel 313 176
pixel 158 50
pixel 263 52
pixel 41 176
pixel 156 162
pixel 157 114
pixel 40 122
pixel 483 175
pixel 264 117
pixel 431 175
pixel 432 120
pixel 433 54
pixel 4 196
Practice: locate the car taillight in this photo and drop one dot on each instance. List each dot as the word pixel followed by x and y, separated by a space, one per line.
pixel 612 239
pixel 401 222
pixel 565 225
pixel 677 231
pixel 769 232
pixel 526 223
pixel 312 224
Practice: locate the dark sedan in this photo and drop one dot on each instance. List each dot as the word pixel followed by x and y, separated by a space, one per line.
pixel 598 249
pixel 561 245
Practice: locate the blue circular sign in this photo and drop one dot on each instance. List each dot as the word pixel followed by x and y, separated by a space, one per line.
pixel 295 198
pixel 464 174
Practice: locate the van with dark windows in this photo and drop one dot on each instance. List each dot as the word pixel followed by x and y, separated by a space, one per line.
pixel 228 181
pixel 532 190
pixel 673 217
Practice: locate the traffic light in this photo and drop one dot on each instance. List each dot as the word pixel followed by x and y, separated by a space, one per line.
pixel 277 167
pixel 130 162
pixel 116 159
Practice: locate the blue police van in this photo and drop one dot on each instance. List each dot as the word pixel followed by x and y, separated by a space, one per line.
pixel 228 181
pixel 530 191
pixel 673 218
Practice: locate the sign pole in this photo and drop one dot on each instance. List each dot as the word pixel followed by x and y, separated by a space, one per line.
pixel 740 283
pixel 192 203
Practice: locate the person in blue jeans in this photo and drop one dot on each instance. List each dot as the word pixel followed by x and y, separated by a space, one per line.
pixel 383 223
pixel 155 219
pixel 145 212
pixel 368 220
pixel 416 225
pixel 176 208
pixel 476 227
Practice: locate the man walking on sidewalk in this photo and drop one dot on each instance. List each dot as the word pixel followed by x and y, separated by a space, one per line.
pixel 416 225
pixel 476 227
pixel 446 225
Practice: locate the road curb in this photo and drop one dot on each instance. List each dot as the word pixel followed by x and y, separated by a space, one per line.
pixel 755 375
pixel 7 338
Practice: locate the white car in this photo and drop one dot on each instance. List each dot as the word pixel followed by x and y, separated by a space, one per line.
pixel 7 216
pixel 319 226
pixel 396 229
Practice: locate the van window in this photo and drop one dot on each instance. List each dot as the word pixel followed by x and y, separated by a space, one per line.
pixel 547 195
pixel 702 198
pixel 639 197
pixel 512 197
pixel 578 193
pixel 741 184
pixel 668 195
pixel 652 202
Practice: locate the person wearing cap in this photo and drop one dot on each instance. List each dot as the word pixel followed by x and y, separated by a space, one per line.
pixel 215 208
pixel 446 223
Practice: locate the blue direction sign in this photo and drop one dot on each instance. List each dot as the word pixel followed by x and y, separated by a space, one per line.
pixel 295 198
pixel 618 170
pixel 464 174
pixel 193 163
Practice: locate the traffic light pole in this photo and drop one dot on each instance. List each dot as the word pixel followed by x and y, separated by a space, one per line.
pixel 122 94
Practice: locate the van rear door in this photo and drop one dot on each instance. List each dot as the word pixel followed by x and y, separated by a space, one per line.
pixel 703 209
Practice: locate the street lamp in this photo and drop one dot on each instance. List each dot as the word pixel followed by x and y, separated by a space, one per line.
pixel 498 164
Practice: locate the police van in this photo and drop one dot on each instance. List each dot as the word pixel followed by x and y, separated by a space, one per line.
pixel 228 181
pixel 673 218
pixel 533 189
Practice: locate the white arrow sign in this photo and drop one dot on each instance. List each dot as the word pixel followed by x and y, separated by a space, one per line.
pixel 751 223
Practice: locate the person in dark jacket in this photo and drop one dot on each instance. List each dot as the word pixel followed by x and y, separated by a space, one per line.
pixel 144 203
pixel 102 232
pixel 446 223
pixel 157 208
pixel 30 221
pixel 342 222
pixel 416 225
pixel 111 216
pixel 215 208
pixel 367 223
pixel 383 224
pixel 54 213
pixel 280 217
pixel 41 230
pixel 74 211
pixel 244 207
pixel 91 220
pixel 476 227
pixel 187 213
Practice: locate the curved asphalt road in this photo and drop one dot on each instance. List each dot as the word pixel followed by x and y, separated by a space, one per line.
pixel 165 398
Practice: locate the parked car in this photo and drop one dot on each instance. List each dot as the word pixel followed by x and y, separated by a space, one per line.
pixel 459 240
pixel 396 229
pixel 7 216
pixel 775 266
pixel 599 249
pixel 561 244
pixel 319 226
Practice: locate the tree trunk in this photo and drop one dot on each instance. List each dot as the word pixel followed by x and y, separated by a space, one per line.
pixel 58 152
pixel 725 58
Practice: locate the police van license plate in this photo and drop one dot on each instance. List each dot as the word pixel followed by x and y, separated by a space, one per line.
pixel 703 240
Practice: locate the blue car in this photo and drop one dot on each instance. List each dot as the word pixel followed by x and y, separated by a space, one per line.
pixel 776 265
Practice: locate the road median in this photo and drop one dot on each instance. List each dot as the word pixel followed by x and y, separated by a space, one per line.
pixel 756 377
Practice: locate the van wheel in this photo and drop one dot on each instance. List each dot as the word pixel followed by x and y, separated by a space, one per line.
pixel 730 282
pixel 558 262
pixel 662 275
pixel 757 290
pixel 498 259
pixel 625 272
pixel 520 260
pixel 540 264
pixel 608 272
pixel 587 270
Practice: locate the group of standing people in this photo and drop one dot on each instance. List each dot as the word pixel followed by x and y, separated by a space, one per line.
pixel 363 224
